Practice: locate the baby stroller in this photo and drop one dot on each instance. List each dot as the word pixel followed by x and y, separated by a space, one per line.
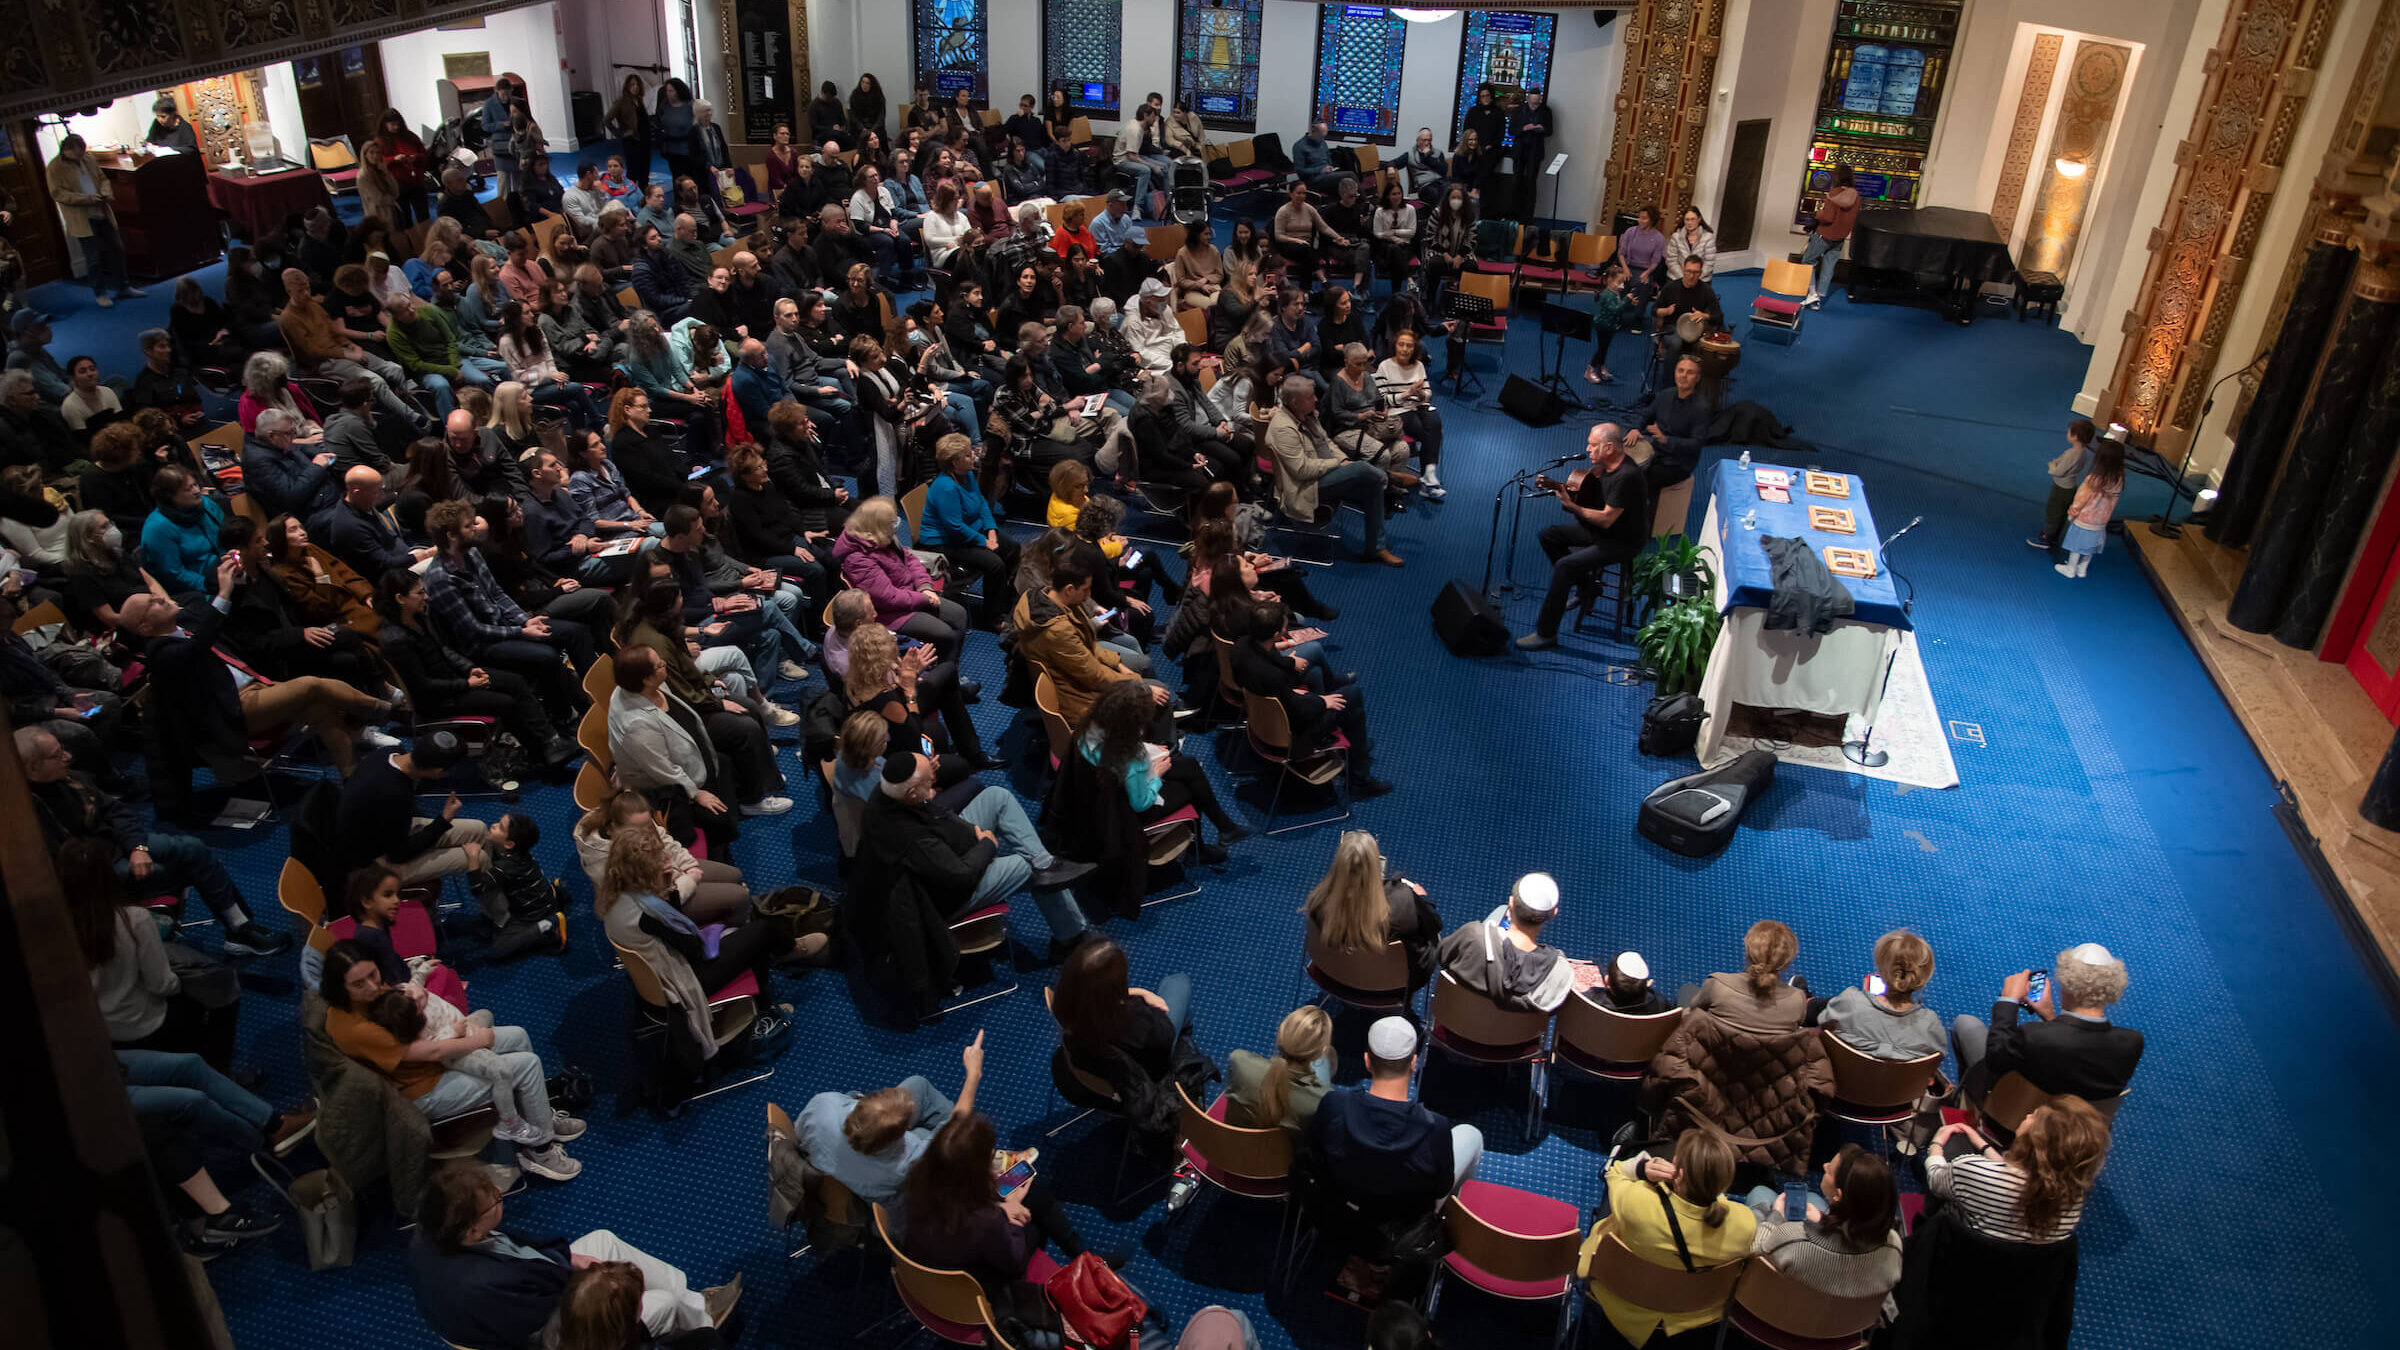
pixel 1189 193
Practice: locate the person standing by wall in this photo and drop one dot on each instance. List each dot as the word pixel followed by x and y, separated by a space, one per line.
pixel 2066 472
pixel 1836 214
pixel 86 205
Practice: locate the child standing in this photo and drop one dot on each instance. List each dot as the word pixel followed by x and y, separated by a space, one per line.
pixel 2066 478
pixel 407 1013
pixel 2095 502
pixel 533 920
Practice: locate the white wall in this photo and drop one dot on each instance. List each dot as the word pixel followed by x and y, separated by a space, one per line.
pixel 123 122
pixel 282 90
pixel 526 41
pixel 1769 67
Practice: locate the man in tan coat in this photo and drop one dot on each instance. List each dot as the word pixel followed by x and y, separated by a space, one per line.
pixel 1054 632
pixel 83 195
pixel 1310 472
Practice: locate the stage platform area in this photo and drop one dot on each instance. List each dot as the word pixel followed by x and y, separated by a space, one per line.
pixel 2105 793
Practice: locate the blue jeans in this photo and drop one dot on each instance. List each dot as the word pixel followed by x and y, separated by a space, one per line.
pixel 1176 992
pixel 1021 855
pixel 200 1102
pixel 1157 167
pixel 178 861
pixel 1820 257
pixel 1360 484
pixel 527 1097
pixel 580 407
pixel 779 607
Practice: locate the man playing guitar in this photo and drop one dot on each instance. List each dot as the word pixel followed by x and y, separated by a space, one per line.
pixel 1608 506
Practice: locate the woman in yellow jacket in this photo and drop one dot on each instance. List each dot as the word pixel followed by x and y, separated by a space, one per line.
pixel 1671 1214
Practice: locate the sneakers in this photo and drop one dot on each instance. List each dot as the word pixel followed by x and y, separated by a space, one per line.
pixel 104 301
pixel 237 1224
pixel 780 716
pixel 1386 557
pixel 564 1127
pixel 551 1163
pixel 289 1127
pixel 1814 300
pixel 1431 484
pixel 376 738
pixel 1181 712
pixel 517 1131
pixel 1534 642
pixel 252 940
pixel 767 806
pixel 1060 872
pixel 792 670
pixel 720 1300
pixel 201 1249
pixel 2037 541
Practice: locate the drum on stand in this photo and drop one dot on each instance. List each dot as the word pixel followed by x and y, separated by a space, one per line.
pixel 1719 353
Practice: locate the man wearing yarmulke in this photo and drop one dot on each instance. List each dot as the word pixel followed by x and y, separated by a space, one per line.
pixel 1502 957
pixel 2071 1047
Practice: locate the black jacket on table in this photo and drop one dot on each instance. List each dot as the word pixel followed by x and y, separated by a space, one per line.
pixel 2091 1060
pixel 939 852
pixel 377 815
pixel 485 1299
pixel 654 471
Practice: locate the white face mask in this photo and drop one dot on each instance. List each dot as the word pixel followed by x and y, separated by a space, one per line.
pixel 113 537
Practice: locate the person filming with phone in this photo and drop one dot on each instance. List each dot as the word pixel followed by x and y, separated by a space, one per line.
pixel 2070 1048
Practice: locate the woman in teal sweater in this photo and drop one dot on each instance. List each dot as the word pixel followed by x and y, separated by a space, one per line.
pixel 959 525
pixel 179 540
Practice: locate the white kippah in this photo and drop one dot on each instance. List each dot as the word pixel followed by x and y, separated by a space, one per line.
pixel 1392 1038
pixel 1632 966
pixel 1537 892
pixel 2093 954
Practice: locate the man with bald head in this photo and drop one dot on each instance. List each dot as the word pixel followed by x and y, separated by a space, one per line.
pixel 687 249
pixel 359 533
pixel 752 297
pixel 712 304
pixel 755 387
pixel 481 469
pixel 1608 521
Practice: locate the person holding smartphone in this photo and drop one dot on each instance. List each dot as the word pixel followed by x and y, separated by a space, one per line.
pixel 1880 1015
pixel 2070 1046
pixel 1845 1242
pixel 869 1141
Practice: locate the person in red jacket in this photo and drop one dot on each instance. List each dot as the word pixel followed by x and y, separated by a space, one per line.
pixel 1835 215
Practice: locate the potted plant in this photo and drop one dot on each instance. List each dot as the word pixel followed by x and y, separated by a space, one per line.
pixel 1672 569
pixel 1676 641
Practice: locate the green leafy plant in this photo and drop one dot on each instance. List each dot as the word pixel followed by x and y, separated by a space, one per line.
pixel 1676 641
pixel 1677 555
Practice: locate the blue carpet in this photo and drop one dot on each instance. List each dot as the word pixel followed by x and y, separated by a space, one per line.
pixel 2110 797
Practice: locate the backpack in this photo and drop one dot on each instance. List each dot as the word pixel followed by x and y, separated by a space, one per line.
pixel 1671 724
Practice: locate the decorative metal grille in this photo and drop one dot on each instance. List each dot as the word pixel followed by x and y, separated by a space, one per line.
pixel 1081 40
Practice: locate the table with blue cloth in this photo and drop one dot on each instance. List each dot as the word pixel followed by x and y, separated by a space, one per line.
pixel 1838 674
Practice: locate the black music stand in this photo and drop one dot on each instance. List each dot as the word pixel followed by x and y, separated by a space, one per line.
pixel 1563 322
pixel 1466 309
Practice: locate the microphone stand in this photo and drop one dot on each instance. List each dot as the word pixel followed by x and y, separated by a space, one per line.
pixel 1517 484
pixel 1858 752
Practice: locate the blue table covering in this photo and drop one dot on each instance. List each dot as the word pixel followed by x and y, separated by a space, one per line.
pixel 1750 578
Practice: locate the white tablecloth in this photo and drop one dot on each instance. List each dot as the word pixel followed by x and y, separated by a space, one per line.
pixel 1839 674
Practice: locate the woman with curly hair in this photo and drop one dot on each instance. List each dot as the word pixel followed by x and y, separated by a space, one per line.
pixel 2033 1192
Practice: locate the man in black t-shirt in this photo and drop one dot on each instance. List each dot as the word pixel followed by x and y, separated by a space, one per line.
pixel 1686 294
pixel 1608 511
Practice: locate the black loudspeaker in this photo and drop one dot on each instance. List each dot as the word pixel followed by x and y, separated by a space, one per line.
pixel 585 104
pixel 1467 623
pixel 1530 403
pixel 1602 18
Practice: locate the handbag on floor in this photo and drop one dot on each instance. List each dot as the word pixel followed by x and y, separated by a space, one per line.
pixel 327 1209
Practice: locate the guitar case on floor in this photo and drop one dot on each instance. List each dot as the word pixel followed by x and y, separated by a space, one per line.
pixel 1695 815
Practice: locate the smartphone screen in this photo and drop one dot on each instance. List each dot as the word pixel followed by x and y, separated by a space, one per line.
pixel 1016 1177
pixel 909 644
pixel 2041 986
pixel 1875 985
pixel 1106 616
pixel 1795 1200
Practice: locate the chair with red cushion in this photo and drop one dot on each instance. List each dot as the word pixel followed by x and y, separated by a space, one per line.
pixel 1778 1312
pixel 1511 1244
pixel 732 1008
pixel 1469 1026
pixel 1374 980
pixel 1236 1159
pixel 1775 314
pixel 1270 738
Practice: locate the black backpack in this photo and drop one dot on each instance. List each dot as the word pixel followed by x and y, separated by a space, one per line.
pixel 1671 724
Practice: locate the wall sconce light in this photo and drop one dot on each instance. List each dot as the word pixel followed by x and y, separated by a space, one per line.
pixel 2069 168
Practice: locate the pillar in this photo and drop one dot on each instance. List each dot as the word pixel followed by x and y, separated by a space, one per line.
pixel 1662 105
pixel 2283 391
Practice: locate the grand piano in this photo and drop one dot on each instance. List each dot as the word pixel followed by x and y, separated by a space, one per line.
pixel 1936 256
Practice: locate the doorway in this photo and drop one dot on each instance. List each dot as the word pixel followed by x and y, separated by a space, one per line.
pixel 1738 218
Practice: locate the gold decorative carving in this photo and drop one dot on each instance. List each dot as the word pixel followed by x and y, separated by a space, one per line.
pixel 2245 117
pixel 2086 112
pixel 1662 104
pixel 2027 129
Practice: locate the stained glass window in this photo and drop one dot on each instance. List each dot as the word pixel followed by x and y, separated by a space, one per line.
pixel 1506 50
pixel 953 52
pixel 1216 64
pixel 1359 53
pixel 1080 42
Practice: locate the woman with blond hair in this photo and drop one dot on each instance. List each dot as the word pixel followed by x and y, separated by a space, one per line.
pixel 882 679
pixel 711 890
pixel 1283 1090
pixel 1881 1016
pixel 907 601
pixel 1758 999
pixel 692 960
pixel 1355 907
pixel 2034 1192
pixel 1671 1213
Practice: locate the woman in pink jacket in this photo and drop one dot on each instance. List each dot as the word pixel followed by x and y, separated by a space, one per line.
pixel 907 599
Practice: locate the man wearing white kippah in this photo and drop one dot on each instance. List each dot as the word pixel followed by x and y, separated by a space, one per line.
pixel 1502 957
pixel 2077 1051
pixel 1380 1148
pixel 1626 986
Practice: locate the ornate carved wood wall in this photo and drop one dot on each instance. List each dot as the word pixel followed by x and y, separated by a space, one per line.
pixel 2259 77
pixel 2032 102
pixel 58 56
pixel 2086 111
pixel 1662 104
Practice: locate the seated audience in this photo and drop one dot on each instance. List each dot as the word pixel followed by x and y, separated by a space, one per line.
pixel 1502 957
pixel 1882 1016
pixel 1263 666
pixel 2034 1191
pixel 958 861
pixel 710 891
pixel 959 1220
pixel 869 1141
pixel 692 961
pixel 1134 1039
pixel 1285 1089
pixel 1625 986
pixel 179 539
pixel 1759 999
pixel 377 821
pixel 2071 1048
pixel 1382 1151
pixel 1359 907
pixel 144 1001
pixel 1312 478
pixel 906 598
pixel 1848 1243
pixel 1673 1214
pixel 959 525
pixel 665 749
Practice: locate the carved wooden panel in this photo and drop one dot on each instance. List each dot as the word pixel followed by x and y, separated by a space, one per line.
pixel 2259 77
pixel 61 55
pixel 2086 111
pixel 1662 104
pixel 2032 102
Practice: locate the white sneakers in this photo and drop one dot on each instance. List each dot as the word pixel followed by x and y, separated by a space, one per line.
pixel 780 716
pixel 2076 565
pixel 551 1163
pixel 376 738
pixel 767 806
pixel 792 670
pixel 1814 301
pixel 1431 483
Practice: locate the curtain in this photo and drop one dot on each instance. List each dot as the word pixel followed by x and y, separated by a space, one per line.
pixel 2258 447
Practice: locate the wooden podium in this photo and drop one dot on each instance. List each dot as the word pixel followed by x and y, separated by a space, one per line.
pixel 163 213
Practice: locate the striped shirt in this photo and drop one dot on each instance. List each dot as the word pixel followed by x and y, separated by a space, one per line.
pixel 1989 1196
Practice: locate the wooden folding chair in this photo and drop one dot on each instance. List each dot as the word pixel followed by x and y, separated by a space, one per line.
pixel 1466 1025
pixel 1511 1244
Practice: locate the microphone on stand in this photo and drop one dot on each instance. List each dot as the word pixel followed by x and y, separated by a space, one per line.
pixel 1894 536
